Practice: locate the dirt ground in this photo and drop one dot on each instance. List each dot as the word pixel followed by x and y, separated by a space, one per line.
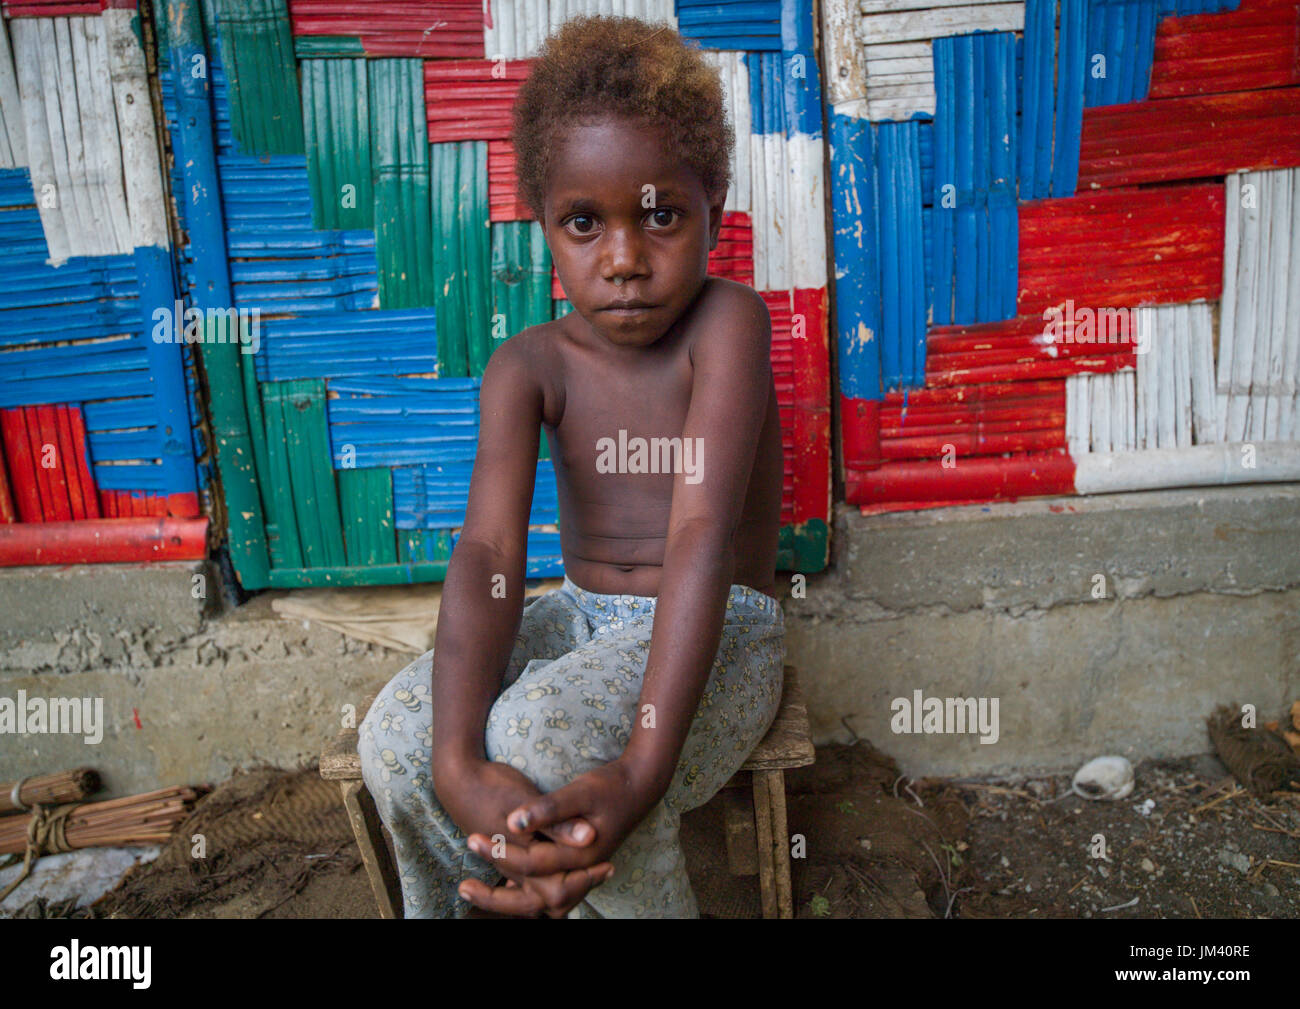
pixel 1188 842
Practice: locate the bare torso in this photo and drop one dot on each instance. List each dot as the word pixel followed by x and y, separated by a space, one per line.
pixel 613 526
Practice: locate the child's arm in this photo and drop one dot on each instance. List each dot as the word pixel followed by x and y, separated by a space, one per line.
pixel 729 400
pixel 477 626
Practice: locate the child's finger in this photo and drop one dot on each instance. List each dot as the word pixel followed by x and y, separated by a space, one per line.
pixel 502 900
pixel 577 832
pixel 565 803
pixel 563 892
pixel 520 861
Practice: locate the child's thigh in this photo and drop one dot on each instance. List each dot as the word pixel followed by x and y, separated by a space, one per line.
pixel 551 626
pixel 395 741
pixel 739 703
pixel 563 718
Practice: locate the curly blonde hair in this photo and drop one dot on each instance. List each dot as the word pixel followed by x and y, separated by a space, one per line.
pixel 597 65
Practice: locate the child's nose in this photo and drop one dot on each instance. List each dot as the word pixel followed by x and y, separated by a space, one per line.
pixel 624 253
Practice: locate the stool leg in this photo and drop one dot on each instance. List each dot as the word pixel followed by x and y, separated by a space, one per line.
pixel 368 830
pixel 773 842
pixel 763 828
pixel 780 843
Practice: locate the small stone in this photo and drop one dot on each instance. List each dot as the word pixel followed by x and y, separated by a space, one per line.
pixel 1148 865
pixel 1235 859
pixel 1271 891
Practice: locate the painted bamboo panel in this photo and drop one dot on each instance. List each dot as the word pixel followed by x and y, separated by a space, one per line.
pixel 733 71
pixel 348 345
pixel 1256 46
pixel 257 51
pixel 1259 320
pixel 433 495
pixel 520 288
pixel 403 214
pixel 1167 402
pixel 471 99
pixel 885 21
pixel 423 28
pixel 462 257
pixel 366 504
pixel 1028 346
pixel 754 26
pixel 403 421
pixel 974 201
pixel 307 521
pixel 1122 248
pixel 45 448
pixel 1189 138
pixel 79 96
pixel 336 121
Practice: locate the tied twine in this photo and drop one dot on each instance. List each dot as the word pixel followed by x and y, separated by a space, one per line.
pixel 46 835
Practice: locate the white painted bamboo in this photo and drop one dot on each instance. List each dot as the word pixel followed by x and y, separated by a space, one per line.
pixel 90 134
pixel 137 135
pixel 805 185
pixel 906 20
pixel 1289 422
pixel 1227 302
pixel 734 75
pixel 13 134
pixel 1196 466
pixel 1279 267
pixel 1259 335
pixel 1201 330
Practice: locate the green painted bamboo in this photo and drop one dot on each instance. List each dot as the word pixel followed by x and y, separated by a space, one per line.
pixel 399 153
pixel 257 54
pixel 384 574
pixel 310 46
pixel 521 280
pixel 463 257
pixel 282 524
pixel 366 498
pixel 336 121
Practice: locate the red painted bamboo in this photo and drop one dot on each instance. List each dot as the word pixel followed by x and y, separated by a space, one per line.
pixel 974 443
pixel 7 511
pixel 103 541
pixel 979 478
pixel 22 475
pixel 1189 138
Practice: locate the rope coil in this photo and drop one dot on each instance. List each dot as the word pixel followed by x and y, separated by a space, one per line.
pixel 46 835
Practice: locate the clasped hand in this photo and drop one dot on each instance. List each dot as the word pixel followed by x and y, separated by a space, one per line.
pixel 551 848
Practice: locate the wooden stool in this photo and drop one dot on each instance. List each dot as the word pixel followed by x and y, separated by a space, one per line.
pixel 753 804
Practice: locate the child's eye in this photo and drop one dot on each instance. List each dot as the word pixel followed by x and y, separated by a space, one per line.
pixel 657 220
pixel 572 224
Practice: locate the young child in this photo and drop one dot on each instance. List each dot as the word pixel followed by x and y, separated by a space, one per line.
pixel 552 748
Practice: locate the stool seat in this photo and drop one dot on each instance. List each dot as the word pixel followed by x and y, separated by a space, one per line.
pixel 757 841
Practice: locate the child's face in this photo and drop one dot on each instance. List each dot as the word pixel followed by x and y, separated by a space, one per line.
pixel 603 220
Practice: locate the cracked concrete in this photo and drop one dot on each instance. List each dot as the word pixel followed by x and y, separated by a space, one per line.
pixel 189 694
pixel 1106 624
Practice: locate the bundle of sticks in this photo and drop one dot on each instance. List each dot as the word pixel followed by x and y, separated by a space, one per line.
pixel 48 789
pixel 135 819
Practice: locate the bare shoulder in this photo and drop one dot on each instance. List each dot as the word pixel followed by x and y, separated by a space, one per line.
pixel 731 317
pixel 720 295
pixel 528 362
